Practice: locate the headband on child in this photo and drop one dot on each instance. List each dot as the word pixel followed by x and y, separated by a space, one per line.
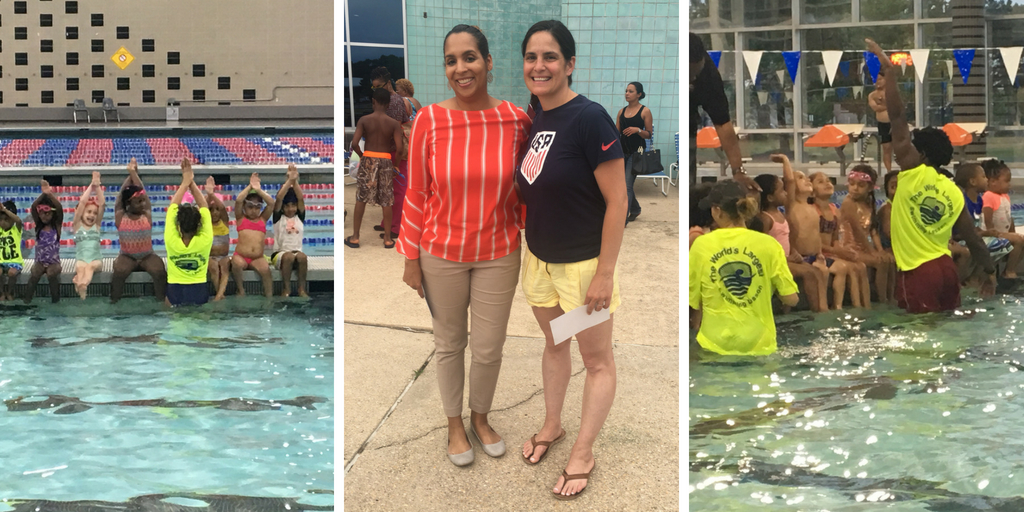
pixel 859 176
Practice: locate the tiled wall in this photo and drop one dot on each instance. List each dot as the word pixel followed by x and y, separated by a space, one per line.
pixel 616 43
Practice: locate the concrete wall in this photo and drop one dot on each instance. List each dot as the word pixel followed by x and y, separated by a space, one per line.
pixel 282 50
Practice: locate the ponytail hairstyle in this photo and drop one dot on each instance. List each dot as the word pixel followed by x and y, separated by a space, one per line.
pixel 732 198
pixel 566 44
pixel 767 182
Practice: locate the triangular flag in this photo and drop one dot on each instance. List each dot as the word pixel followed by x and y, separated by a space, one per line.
pixel 858 91
pixel 1011 59
pixel 831 59
pixel 753 60
pixel 903 66
pixel 789 96
pixel 781 74
pixel 920 58
pixel 762 97
pixel 822 74
pixel 871 61
pixel 792 60
pixel 844 67
pixel 949 68
pixel 716 57
pixel 964 60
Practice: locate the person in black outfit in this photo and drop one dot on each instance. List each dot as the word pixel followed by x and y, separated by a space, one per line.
pixel 635 123
pixel 707 91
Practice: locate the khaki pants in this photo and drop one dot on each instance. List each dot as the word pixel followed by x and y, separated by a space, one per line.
pixel 454 290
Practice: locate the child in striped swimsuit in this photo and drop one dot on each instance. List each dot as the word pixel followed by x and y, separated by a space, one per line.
pixel 220 259
pixel 133 217
pixel 48 216
pixel 88 216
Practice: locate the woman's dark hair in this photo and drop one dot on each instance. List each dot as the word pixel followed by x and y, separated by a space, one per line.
pixel 56 221
pixel 189 219
pixel 993 168
pixel 562 35
pixel 934 145
pixel 639 89
pixel 767 182
pixel 889 176
pixel 697 51
pixel 127 193
pixel 481 39
pixel 732 198
pixel 380 73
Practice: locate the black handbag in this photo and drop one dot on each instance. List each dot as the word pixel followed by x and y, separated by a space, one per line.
pixel 647 162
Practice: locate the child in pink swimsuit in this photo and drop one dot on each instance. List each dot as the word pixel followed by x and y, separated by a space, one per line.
pixel 251 215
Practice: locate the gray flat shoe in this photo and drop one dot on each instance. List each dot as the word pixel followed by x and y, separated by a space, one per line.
pixel 462 459
pixel 494 450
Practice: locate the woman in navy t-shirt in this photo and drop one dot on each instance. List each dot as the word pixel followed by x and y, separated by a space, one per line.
pixel 571 180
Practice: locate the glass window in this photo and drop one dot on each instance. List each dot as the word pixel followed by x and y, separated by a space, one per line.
pixel 97 45
pixel 1006 104
pixel 148 70
pixel 21 59
pixel 122 33
pixel 768 97
pixel 223 82
pixel 173 57
pixel 726 43
pixel 364 60
pixel 97 96
pixel 148 45
pixel 198 94
pixel 173 83
pixel 71 7
pixel 72 83
pixel 882 10
pixel 46 97
pixel 21 32
pixel 124 83
pixel 740 13
pixel 21 84
pixel 149 96
pixel 46 45
pixel 1004 145
pixel 997 7
pixel 20 7
pixel 97 71
pixel 198 69
pixel 45 20
pixel 379 21
pixel 938 82
pixel 97 19
pixel 46 71
pixel 249 94
pixel 71 32
pixel 935 9
pixel 825 11
pixel 72 59
pixel 760 146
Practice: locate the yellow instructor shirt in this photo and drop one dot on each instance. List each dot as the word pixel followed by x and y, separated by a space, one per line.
pixel 733 274
pixel 187 264
pixel 924 210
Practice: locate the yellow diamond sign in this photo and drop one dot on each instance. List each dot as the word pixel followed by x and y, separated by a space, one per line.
pixel 122 58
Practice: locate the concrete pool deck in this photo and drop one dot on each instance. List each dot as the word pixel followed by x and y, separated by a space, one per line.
pixel 395 429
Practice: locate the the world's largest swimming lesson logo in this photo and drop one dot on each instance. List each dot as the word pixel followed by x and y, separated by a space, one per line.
pixel 930 208
pixel 533 162
pixel 735 270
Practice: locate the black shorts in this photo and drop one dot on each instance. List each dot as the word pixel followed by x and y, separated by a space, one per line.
pixel 885 133
pixel 188 294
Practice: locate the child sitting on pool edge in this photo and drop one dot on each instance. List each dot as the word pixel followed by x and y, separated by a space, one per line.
pixel 48 216
pixel 995 213
pixel 86 226
pixel 11 230
pixel 289 219
pixel 188 236
pixel 220 257
pixel 251 217
pixel 828 222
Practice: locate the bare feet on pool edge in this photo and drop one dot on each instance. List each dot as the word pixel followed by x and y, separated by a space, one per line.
pixel 302 293
pixel 218 297
pixel 240 293
pixel 576 466
pixel 286 293
pixel 549 435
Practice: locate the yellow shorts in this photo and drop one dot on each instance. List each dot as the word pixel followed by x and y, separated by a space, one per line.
pixel 547 285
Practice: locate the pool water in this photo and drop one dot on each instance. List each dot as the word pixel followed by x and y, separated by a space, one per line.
pixel 247 404
pixel 860 409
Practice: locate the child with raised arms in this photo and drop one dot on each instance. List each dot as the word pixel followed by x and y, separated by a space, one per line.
pixel 11 262
pixel 86 226
pixel 220 258
pixel 48 216
pixel 252 210
pixel 289 216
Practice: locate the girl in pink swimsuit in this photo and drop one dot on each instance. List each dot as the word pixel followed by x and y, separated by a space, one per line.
pixel 774 196
pixel 251 216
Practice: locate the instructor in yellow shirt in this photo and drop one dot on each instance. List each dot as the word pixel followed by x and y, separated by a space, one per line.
pixel 733 273
pixel 188 235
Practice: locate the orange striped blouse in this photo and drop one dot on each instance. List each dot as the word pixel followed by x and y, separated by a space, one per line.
pixel 461 203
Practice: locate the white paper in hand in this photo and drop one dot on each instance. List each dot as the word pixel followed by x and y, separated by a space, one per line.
pixel 567 325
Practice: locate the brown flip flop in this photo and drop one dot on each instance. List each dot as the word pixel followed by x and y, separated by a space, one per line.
pixel 546 444
pixel 566 477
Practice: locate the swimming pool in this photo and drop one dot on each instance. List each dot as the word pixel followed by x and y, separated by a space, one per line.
pixel 916 412
pixel 145 405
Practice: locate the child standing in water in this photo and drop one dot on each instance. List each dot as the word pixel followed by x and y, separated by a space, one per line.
pixel 86 225
pixel 48 216
pixel 733 273
pixel 11 229
pixel 858 231
pixel 973 182
pixel 777 193
pixel 289 216
pixel 805 228
pixel 251 217
pixel 189 237
pixel 828 221
pixel 220 261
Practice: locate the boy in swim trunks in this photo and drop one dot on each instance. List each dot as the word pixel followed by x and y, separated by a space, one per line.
pixel 373 181
pixel 876 100
pixel 11 229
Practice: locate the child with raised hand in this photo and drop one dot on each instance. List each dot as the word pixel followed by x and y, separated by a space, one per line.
pixel 733 273
pixel 86 225
pixel 133 216
pixel 48 216
pixel 996 218
pixel 858 229
pixel 828 220
pixel 11 262
pixel 220 259
pixel 805 236
pixel 289 216
pixel 776 193
pixel 251 217
pixel 188 235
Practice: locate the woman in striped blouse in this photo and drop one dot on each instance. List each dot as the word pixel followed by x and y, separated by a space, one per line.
pixel 460 232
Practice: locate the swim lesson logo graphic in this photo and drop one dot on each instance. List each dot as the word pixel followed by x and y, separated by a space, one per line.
pixel 533 162
pixel 735 268
pixel 189 263
pixel 931 207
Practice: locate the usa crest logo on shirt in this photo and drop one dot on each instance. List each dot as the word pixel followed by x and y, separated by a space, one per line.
pixel 533 162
